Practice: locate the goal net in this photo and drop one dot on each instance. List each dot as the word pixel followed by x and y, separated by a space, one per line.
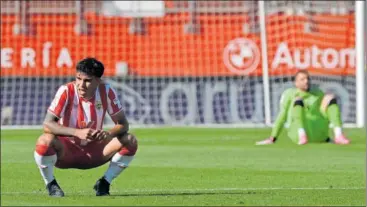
pixel 318 36
pixel 176 62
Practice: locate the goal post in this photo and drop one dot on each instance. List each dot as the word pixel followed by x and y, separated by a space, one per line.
pixel 265 64
pixel 360 18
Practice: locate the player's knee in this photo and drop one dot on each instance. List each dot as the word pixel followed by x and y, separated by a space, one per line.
pixel 298 102
pixel 46 139
pixel 330 99
pixel 129 145
pixel 44 145
pixel 128 139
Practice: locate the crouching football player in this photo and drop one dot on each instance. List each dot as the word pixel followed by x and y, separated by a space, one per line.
pixel 73 135
pixel 307 112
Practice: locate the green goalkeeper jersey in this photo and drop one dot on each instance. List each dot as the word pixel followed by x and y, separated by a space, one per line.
pixel 312 102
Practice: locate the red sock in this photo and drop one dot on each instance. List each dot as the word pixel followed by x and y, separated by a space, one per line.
pixel 128 151
pixel 45 150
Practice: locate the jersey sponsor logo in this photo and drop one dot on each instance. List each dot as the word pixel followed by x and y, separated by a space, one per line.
pixel 241 56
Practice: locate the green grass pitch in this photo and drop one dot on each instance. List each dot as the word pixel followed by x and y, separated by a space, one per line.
pixel 191 166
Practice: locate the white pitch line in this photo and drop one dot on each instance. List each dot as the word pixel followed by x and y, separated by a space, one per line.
pixel 197 190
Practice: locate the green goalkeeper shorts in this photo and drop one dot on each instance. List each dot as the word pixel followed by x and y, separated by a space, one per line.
pixel 317 130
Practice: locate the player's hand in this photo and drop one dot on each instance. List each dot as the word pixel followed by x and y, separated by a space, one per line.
pixel 84 133
pixel 270 140
pixel 100 135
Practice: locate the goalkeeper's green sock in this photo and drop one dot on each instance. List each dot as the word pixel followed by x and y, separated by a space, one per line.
pixel 333 113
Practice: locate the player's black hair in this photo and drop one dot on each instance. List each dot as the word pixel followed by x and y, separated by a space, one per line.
pixel 91 67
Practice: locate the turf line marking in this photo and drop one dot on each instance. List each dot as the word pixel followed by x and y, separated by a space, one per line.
pixel 195 190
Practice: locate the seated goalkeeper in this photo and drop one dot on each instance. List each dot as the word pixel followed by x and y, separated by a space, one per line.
pixel 307 112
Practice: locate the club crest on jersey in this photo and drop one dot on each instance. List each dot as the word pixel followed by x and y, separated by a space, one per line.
pixel 99 105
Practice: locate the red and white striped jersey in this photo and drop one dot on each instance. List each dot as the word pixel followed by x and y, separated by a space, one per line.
pixel 77 112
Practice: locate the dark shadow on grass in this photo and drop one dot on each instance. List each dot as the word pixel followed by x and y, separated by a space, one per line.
pixel 184 194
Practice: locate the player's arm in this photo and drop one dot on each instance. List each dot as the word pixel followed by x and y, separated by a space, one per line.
pixel 280 120
pixel 55 111
pixel 51 126
pixel 121 124
pixel 114 109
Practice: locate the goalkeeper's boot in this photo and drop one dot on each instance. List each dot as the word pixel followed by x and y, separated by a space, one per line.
pixel 102 187
pixel 341 140
pixel 270 140
pixel 302 139
pixel 54 189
